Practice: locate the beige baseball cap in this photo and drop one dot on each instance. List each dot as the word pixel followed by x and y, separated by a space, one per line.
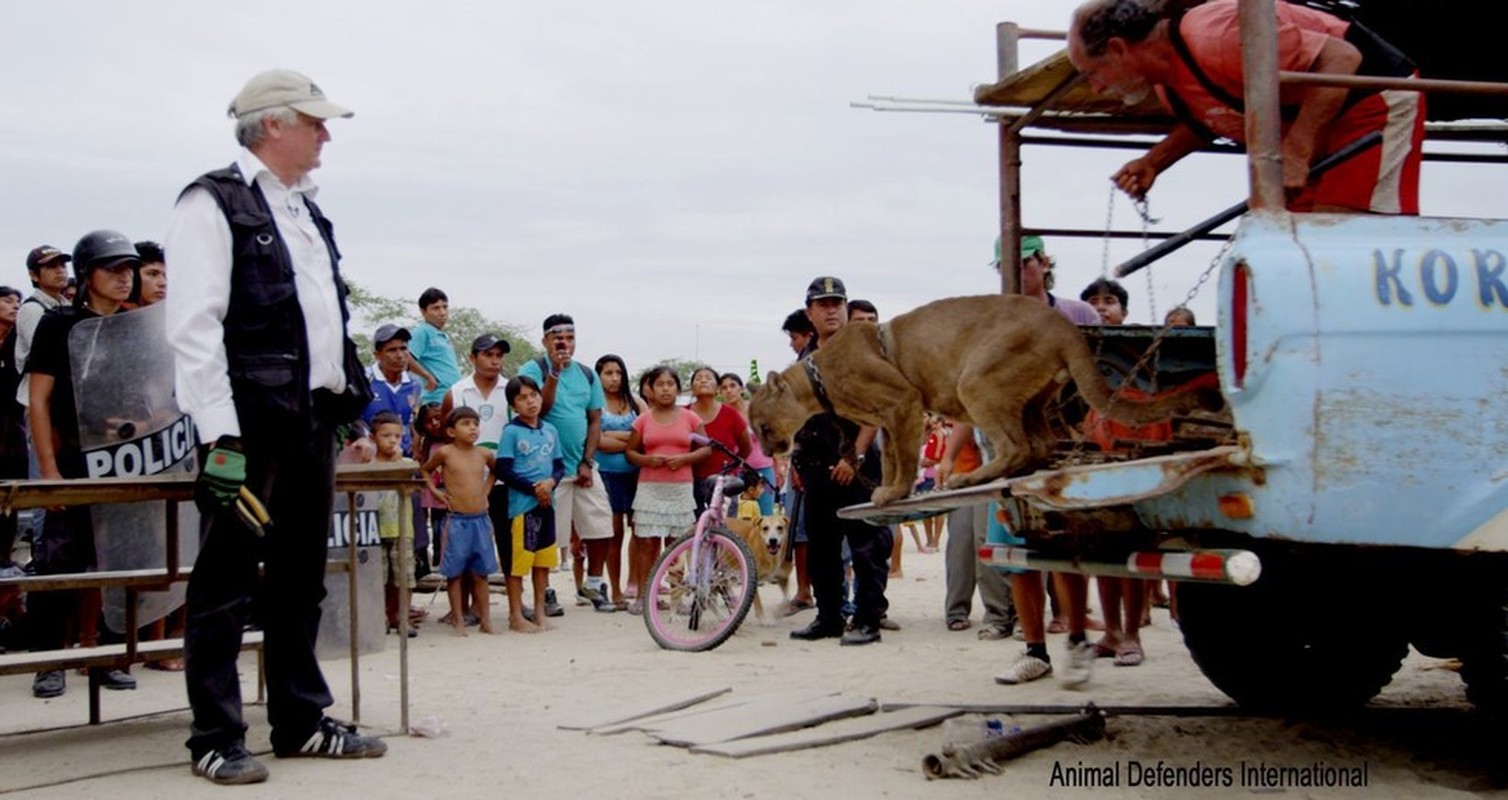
pixel 284 87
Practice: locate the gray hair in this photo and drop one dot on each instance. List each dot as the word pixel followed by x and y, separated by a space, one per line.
pixel 250 130
pixel 1098 21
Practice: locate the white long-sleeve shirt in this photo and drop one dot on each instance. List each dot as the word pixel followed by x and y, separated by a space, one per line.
pixel 27 320
pixel 198 247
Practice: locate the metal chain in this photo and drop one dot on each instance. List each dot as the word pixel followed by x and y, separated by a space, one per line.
pixel 1143 206
pixel 1109 226
pixel 1076 454
pixel 1163 331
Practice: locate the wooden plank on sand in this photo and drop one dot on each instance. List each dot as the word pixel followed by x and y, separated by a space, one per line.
pixel 653 722
pixel 659 705
pixel 758 719
pixel 847 730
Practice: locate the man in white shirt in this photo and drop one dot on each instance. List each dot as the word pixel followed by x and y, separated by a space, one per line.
pixel 47 267
pixel 257 318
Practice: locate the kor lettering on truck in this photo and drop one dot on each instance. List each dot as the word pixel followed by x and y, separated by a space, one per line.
pixel 1436 276
pixel 149 455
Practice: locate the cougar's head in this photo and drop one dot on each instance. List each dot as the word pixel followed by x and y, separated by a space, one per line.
pixel 776 413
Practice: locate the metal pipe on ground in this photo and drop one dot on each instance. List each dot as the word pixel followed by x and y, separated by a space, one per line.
pixel 984 756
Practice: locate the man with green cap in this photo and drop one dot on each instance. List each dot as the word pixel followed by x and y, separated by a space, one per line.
pixel 1037 279
pixel 1027 590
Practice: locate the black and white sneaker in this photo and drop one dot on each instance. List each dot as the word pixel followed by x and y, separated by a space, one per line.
pixel 230 764
pixel 332 739
pixel 600 599
pixel 552 607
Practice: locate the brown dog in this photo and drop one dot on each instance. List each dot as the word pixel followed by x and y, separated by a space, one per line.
pixel 991 361
pixel 767 538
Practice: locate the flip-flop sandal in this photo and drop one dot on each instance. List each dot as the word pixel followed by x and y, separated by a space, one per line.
pixel 1102 649
pixel 959 624
pixel 1057 626
pixel 796 607
pixel 1129 654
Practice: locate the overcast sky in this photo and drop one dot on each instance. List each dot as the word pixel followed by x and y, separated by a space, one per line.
pixel 673 174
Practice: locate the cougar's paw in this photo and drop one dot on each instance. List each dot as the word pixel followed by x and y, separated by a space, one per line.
pixel 888 494
pixel 960 481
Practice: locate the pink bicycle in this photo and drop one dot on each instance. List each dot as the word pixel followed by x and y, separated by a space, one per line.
pixel 702 585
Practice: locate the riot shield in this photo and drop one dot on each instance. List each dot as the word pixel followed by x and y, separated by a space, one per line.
pixel 335 610
pixel 129 425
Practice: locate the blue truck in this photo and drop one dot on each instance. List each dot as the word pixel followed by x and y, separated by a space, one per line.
pixel 1351 500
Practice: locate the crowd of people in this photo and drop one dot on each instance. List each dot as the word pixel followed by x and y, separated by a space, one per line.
pixel 611 464
pixel 40 432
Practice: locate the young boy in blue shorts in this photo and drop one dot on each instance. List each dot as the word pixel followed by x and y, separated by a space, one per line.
pixel 469 473
pixel 530 462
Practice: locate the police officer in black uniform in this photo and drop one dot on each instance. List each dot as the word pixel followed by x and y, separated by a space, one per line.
pixel 839 465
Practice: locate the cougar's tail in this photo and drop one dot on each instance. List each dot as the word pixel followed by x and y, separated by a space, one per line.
pixel 1098 394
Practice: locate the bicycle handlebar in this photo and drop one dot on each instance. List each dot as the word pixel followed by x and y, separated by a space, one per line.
pixel 738 461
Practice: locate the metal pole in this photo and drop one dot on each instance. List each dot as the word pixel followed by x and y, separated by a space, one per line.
pixel 171 527
pixel 1264 143
pixel 1007 35
pixel 405 596
pixel 1235 567
pixel 1488 88
pixel 1199 230
pixel 355 617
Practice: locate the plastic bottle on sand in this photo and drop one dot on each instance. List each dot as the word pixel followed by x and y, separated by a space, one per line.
pixel 961 731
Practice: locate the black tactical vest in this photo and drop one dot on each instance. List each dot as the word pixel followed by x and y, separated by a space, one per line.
pixel 266 344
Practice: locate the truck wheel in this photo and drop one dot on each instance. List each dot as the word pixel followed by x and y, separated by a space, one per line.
pixel 1484 667
pixel 1289 645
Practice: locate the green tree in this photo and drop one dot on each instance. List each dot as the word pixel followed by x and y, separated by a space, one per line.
pixel 369 310
pixel 683 367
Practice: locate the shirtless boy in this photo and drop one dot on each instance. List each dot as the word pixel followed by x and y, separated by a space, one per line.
pixel 469 474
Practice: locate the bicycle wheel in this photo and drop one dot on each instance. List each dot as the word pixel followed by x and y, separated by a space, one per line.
pixel 699 613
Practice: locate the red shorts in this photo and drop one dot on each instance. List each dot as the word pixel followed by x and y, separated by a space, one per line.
pixel 1383 179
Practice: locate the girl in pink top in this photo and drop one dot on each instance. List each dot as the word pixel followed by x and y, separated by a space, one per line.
pixel 660 446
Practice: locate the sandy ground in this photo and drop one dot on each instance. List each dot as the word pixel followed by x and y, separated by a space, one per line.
pixel 501 698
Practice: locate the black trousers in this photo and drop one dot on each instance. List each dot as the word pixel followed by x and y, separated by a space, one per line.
pixel 502 527
pixel 65 544
pixel 870 547
pixel 294 474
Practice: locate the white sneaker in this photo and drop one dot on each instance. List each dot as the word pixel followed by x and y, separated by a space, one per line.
pixel 1080 664
pixel 1026 667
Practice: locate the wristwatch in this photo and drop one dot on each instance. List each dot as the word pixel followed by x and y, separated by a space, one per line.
pixel 590 464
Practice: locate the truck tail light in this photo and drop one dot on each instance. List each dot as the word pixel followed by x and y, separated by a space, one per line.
pixel 1237 506
pixel 1240 296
